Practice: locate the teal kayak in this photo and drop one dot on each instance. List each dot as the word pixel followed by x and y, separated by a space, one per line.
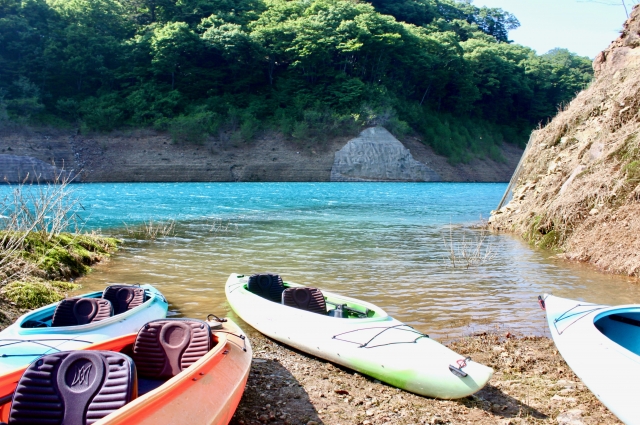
pixel 601 344
pixel 36 333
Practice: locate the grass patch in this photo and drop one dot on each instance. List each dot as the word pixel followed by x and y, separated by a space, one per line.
pixel 65 255
pixel 37 248
pixel 151 231
pixel 36 293
pixel 632 171
pixel 551 240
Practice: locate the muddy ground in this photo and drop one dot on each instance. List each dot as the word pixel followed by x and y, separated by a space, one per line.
pixel 531 385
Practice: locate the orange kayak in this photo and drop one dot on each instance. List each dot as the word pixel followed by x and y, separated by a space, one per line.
pixel 206 392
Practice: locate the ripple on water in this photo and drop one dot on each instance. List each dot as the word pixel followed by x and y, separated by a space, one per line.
pixel 384 243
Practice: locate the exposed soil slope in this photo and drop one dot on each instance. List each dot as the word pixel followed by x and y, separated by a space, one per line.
pixel 147 156
pixel 578 190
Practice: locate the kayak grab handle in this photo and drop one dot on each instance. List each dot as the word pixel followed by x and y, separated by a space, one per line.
pixel 216 317
pixel 458 371
pixel 541 302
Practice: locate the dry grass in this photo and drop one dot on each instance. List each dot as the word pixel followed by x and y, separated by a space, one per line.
pixel 579 188
pixel 45 210
pixel 37 250
pixel 219 226
pixel 467 248
pixel 150 230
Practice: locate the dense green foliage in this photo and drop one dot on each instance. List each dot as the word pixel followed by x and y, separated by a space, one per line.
pixel 308 68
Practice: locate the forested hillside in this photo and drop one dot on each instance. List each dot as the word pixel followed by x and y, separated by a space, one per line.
pixel 308 68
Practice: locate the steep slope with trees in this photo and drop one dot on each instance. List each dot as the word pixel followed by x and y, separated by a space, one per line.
pixel 309 69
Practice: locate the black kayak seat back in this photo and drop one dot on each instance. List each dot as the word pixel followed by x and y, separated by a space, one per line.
pixel 165 347
pixel 73 388
pixel 80 311
pixel 124 297
pixel 305 298
pixel 267 285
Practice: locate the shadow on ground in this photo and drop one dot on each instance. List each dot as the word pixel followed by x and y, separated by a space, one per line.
pixel 273 395
pixel 500 405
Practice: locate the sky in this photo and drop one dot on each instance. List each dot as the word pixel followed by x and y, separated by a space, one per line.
pixel 585 27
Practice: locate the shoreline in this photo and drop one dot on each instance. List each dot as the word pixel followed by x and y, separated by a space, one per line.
pixel 531 384
pixel 149 156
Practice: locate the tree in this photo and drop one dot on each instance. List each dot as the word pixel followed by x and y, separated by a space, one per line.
pixel 171 46
pixel 624 3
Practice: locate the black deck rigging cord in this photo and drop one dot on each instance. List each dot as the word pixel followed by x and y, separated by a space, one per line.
pixel 384 329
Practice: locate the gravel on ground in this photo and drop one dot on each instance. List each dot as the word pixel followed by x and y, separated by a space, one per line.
pixel 532 385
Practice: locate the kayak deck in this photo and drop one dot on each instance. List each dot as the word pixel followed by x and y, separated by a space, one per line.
pixel 205 392
pixel 622 326
pixel 367 340
pixel 600 345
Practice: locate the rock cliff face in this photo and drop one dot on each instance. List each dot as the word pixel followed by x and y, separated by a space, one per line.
pixel 14 168
pixel 578 189
pixel 375 155
pixel 146 156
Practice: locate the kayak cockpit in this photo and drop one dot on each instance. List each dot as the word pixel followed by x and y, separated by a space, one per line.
pixel 92 383
pixel 271 287
pixel 93 307
pixel 621 326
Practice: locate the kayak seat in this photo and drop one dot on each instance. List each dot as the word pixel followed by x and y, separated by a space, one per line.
pixel 123 297
pixel 309 299
pixel 73 388
pixel 267 285
pixel 80 311
pixel 163 348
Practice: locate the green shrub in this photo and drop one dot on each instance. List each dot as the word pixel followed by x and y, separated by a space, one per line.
pixel 68 108
pixel 398 127
pixel 193 128
pixel 102 114
pixel 496 154
pixel 632 170
pixel 249 127
pixel 300 130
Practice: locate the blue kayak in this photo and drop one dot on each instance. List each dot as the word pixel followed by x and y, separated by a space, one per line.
pixel 601 344
pixel 76 322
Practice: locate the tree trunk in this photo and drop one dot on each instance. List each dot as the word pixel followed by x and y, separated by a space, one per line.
pixel 425 93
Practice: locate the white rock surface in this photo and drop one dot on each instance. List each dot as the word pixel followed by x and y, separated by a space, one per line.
pixel 375 155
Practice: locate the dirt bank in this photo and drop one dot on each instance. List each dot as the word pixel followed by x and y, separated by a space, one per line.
pixel 148 156
pixel 579 187
pixel 532 384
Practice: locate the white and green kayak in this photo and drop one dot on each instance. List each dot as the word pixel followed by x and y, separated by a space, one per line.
pixel 355 334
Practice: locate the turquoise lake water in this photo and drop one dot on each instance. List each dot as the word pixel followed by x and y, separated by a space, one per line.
pixel 387 243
